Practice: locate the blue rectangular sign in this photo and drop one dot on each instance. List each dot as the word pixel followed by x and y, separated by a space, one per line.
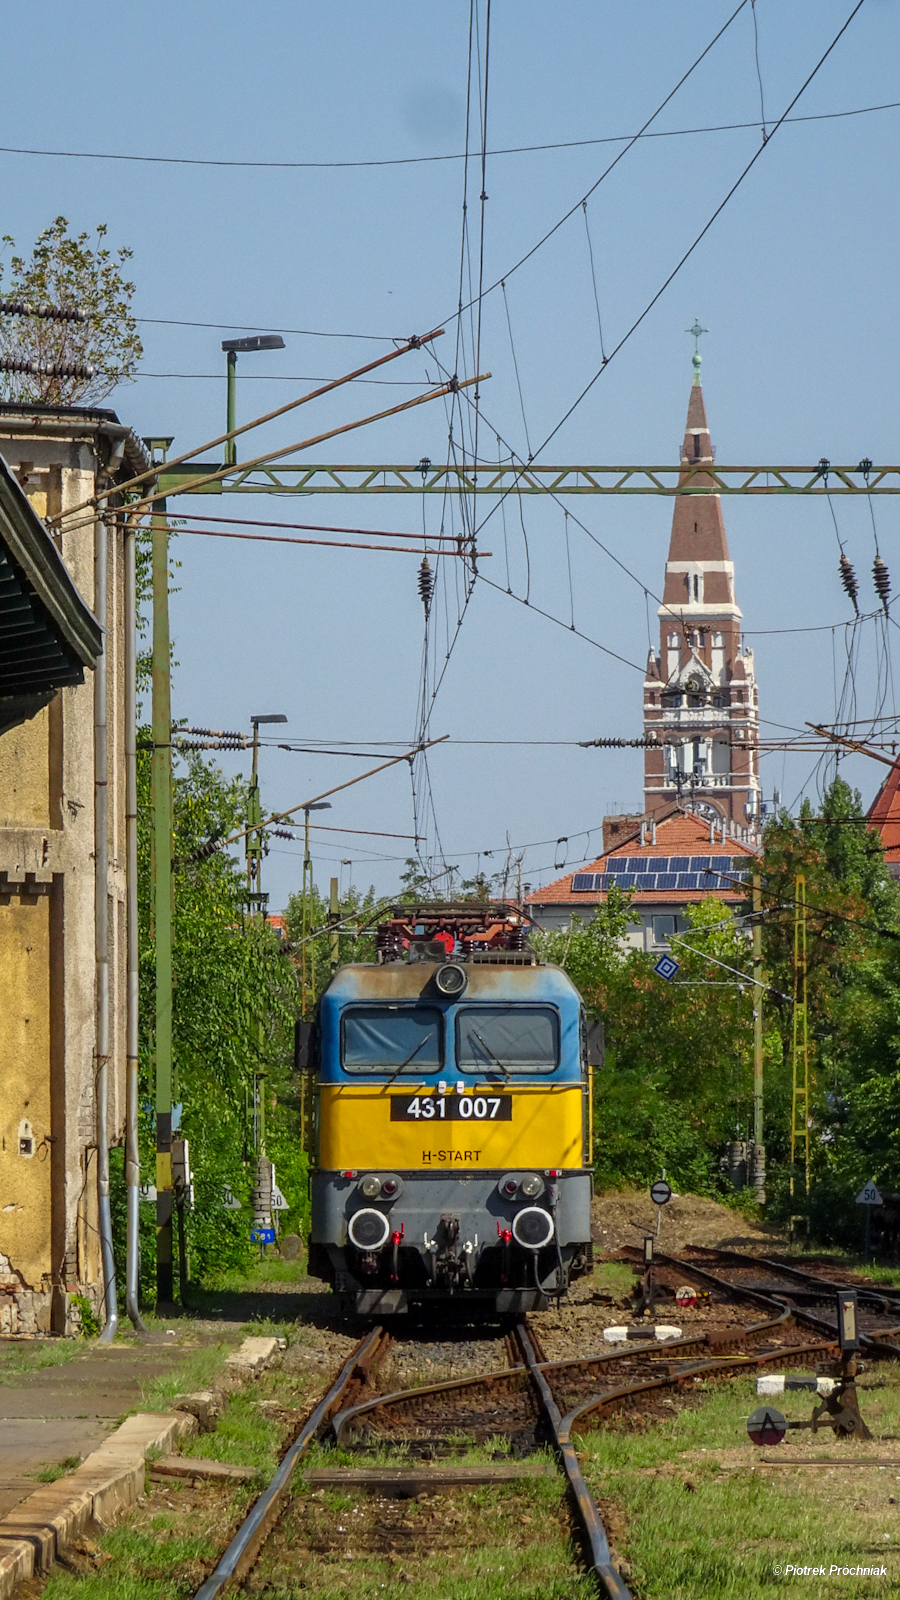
pixel 262 1235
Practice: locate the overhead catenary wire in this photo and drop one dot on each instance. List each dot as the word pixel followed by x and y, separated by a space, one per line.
pixel 147 500
pixel 707 225
pixel 325 544
pixel 408 161
pixel 415 343
pixel 762 106
pixel 622 153
pixel 593 278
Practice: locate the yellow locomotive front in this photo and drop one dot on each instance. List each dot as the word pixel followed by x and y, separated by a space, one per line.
pixel 452 1122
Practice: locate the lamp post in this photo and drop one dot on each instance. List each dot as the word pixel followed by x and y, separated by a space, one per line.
pixel 319 805
pixel 254 845
pixel 263 341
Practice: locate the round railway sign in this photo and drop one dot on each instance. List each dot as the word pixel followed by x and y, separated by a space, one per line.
pixel 685 1295
pixel 661 1193
pixel 766 1426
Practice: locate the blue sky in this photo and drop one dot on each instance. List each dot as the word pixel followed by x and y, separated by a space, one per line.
pixel 796 283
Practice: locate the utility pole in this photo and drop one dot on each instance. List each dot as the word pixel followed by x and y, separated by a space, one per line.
pixel 800 1051
pixel 254 839
pixel 162 892
pixel 758 1160
pixel 272 341
pixel 307 958
pixel 334 917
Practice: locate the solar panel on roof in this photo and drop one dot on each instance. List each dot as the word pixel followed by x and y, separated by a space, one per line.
pixel 699 863
pixel 646 881
pixel 721 863
pixel 678 863
pixel 616 864
pixel 659 863
pixel 606 881
pixel 626 880
pixel 687 880
pixel 637 863
pixel 666 880
pixel 583 882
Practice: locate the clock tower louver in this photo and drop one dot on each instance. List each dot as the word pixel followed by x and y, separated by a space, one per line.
pixel 700 693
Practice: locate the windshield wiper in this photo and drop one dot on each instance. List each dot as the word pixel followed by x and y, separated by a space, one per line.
pixel 502 1065
pixel 410 1057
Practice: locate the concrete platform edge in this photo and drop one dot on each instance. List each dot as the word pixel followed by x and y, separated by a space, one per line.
pixel 109 1481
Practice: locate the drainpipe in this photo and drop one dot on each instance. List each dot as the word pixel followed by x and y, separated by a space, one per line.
pixel 132 1152
pixel 101 934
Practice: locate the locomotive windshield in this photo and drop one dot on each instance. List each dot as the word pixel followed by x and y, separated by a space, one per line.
pixel 507 1039
pixel 391 1039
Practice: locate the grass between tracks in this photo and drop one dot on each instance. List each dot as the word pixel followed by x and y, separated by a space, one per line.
pixel 697 1515
pixel 692 1511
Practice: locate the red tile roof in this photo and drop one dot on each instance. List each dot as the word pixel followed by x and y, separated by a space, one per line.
pixel 884 813
pixel 679 833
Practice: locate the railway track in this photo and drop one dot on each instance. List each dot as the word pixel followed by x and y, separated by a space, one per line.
pixel 810 1296
pixel 529 1401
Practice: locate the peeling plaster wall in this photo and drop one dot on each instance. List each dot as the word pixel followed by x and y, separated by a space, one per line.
pixel 48 1202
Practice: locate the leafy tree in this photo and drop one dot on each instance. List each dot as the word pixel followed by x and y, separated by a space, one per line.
pixel 70 271
pixel 853 941
pixel 355 915
pixel 677 1082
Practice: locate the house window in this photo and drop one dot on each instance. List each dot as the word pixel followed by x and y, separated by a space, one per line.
pixel 663 929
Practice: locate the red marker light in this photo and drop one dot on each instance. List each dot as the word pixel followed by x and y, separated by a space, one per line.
pixel 390 1186
pixel 510 1186
pixel 348 1174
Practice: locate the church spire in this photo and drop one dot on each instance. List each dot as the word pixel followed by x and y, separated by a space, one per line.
pixel 700 697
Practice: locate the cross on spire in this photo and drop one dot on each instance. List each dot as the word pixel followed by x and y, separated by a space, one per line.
pixel 696 331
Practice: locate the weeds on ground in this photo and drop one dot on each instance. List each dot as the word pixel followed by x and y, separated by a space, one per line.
pixel 613 1277
pixel 197 1371
pixel 51 1471
pixel 699 1516
pixel 18 1359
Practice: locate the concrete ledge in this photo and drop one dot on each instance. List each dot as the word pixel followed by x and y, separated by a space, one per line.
pixel 16 1564
pixel 253 1355
pixel 110 1479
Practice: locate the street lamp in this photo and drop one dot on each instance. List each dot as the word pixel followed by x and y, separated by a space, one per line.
pixel 315 805
pixel 263 341
pixel 254 846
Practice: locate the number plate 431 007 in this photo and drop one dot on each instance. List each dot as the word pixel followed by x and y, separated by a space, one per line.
pixel 451 1108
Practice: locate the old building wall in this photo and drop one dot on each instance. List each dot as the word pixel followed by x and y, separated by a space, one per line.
pixel 49 1246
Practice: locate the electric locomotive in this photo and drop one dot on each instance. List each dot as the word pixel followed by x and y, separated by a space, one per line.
pixel 452 1119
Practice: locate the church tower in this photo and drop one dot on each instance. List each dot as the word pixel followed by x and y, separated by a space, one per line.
pixel 700 697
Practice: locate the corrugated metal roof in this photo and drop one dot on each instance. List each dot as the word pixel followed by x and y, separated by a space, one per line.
pixel 48 634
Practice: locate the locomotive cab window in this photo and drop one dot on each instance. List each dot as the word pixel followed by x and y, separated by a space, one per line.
pixel 507 1039
pixel 392 1039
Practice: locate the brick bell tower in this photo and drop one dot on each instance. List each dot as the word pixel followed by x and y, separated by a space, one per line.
pixel 700 691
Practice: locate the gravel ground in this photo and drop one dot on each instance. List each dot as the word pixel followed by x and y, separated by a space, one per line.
pixel 419 1360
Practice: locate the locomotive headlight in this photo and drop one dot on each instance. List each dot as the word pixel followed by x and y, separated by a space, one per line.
pixel 368 1229
pixel 531 1186
pixel 532 1227
pixel 370 1186
pixel 451 980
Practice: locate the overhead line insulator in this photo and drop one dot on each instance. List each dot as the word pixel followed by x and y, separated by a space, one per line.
pixel 426 584
pixel 848 579
pixel 881 580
